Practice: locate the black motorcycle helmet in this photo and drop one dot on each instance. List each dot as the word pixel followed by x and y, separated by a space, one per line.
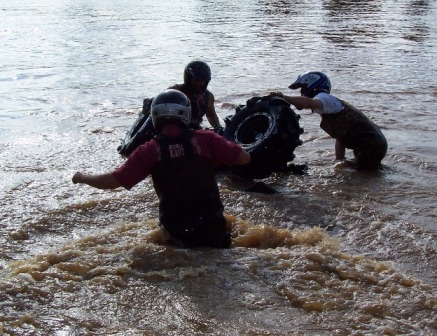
pixel 171 106
pixel 197 70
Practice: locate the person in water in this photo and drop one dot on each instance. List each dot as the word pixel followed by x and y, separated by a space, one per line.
pixel 342 121
pixel 197 75
pixel 181 162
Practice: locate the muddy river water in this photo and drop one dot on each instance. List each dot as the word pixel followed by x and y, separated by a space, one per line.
pixel 333 252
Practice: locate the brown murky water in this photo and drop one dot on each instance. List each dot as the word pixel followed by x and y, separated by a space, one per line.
pixel 334 252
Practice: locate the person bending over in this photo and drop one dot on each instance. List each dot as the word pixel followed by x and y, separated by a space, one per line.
pixel 181 162
pixel 342 121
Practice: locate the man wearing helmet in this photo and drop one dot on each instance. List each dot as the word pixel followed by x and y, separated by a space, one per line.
pixel 345 123
pixel 197 75
pixel 181 162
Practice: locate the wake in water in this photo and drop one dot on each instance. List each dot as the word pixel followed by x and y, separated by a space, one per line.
pixel 271 280
pixel 81 262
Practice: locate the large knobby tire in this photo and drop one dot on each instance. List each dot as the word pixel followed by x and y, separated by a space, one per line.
pixel 141 131
pixel 269 130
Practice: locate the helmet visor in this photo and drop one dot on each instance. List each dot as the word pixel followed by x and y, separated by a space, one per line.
pixel 295 85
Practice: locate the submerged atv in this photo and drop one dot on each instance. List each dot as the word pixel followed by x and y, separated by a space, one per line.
pixel 266 127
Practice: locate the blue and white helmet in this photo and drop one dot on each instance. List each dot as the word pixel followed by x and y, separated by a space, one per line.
pixel 312 83
pixel 171 106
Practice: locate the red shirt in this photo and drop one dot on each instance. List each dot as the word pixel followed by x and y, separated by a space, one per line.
pixel 205 143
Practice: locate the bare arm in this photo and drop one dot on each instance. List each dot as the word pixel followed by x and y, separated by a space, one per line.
pixel 210 113
pixel 101 181
pixel 300 102
pixel 244 158
pixel 340 150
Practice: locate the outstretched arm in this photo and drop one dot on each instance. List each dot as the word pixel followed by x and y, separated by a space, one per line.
pixel 101 181
pixel 300 102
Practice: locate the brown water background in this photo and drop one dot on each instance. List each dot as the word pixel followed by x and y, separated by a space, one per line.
pixel 335 252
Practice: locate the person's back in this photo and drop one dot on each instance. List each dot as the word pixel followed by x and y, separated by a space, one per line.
pixel 181 162
pixel 189 201
pixel 355 131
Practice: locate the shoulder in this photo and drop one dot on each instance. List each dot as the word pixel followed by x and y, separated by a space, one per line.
pixel 210 138
pixel 331 104
pixel 326 97
pixel 216 148
pixel 150 148
pixel 209 94
pixel 176 86
pixel 209 98
pixel 206 134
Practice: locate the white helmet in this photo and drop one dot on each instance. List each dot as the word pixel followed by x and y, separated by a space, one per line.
pixel 171 106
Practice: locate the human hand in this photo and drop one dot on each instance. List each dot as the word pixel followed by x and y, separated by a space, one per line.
pixel 219 130
pixel 77 178
pixel 276 94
